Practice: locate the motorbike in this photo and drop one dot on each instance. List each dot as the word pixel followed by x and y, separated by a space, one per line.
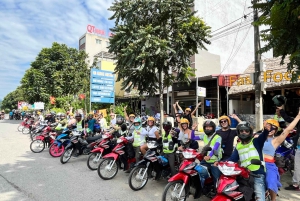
pixel 43 140
pixel 103 148
pixel 57 148
pixel 150 164
pixel 24 124
pixel 108 167
pixel 285 155
pixel 43 127
pixel 77 144
pixel 187 180
pixel 228 187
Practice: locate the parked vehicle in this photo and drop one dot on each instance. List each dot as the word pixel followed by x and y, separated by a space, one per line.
pixel 57 148
pixel 41 141
pixel 228 187
pixel 187 180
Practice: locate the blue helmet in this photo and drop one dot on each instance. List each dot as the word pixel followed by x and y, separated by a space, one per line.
pixel 137 120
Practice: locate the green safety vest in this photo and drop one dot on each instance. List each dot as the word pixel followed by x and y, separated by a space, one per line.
pixel 247 152
pixel 79 126
pixel 212 144
pixel 166 149
pixel 137 138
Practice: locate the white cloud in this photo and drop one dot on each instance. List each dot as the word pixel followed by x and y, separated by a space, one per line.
pixel 28 26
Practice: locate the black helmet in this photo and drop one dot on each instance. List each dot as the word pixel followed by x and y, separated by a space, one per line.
pixel 243 125
pixel 119 120
pixel 279 100
pixel 211 124
pixel 123 127
pixel 167 126
pixel 77 115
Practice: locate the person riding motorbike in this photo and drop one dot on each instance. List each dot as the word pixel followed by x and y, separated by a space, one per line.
pixel 185 133
pixel 251 148
pixel 139 134
pixel 152 132
pixel 77 122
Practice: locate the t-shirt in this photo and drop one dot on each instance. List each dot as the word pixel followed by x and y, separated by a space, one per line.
pixel 91 123
pixel 227 141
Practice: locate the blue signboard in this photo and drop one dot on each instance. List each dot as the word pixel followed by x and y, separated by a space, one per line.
pixel 102 86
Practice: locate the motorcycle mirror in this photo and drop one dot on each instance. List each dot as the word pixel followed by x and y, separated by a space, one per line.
pixel 255 162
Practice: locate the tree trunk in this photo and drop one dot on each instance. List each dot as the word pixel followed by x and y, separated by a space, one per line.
pixel 161 100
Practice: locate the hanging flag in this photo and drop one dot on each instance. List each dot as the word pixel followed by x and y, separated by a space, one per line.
pixel 52 100
pixel 81 96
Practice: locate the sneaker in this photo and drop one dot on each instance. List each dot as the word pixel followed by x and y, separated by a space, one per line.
pixel 292 187
pixel 76 155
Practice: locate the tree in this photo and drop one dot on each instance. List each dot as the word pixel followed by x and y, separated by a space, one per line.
pixel 57 71
pixel 152 37
pixel 10 101
pixel 283 35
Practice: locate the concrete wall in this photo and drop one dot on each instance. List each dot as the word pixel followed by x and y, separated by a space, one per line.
pixel 241 107
pixel 207 64
pixel 218 13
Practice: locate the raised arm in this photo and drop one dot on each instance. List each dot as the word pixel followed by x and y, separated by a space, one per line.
pixel 235 117
pixel 177 104
pixel 125 114
pixel 196 108
pixel 278 140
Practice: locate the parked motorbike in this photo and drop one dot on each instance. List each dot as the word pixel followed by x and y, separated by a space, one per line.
pixel 149 165
pixel 228 187
pixel 57 148
pixel 24 124
pixel 187 180
pixel 77 144
pixel 108 167
pixel 43 140
pixel 104 147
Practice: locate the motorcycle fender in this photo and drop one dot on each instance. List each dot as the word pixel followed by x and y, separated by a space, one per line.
pixel 70 145
pixel 97 150
pixel 111 155
pixel 142 162
pixel 40 138
pixel 58 143
pixel 221 198
pixel 180 176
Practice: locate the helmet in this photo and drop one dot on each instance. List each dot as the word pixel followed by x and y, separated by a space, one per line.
pixel 227 118
pixel 62 115
pixel 132 115
pixel 282 124
pixel 184 121
pixel 137 120
pixel 243 125
pixel 53 113
pixel 279 100
pixel 211 124
pixel 119 120
pixel 274 123
pixel 48 114
pixel 167 126
pixel 150 119
pixel 78 115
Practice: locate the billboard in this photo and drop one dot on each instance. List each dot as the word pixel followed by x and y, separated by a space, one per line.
pixel 102 86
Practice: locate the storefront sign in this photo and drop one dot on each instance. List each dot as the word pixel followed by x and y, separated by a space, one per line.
pixel 227 80
pixel 201 91
pixel 93 30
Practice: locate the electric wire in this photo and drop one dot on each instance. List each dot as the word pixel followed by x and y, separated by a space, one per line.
pixel 230 32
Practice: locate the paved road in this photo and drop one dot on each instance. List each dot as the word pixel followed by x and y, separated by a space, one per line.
pixel 26 176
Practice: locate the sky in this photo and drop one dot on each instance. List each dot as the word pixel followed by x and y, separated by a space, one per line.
pixel 28 26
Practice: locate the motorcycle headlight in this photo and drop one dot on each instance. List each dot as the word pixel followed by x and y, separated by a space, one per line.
pixel 228 171
pixel 119 140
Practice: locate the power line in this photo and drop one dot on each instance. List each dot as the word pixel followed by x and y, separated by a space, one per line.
pixel 231 32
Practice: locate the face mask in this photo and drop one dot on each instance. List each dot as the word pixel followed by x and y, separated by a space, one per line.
pixel 245 137
pixel 208 132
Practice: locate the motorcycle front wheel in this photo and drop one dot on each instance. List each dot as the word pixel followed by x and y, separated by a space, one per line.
pixel 65 157
pixel 25 130
pixel 94 160
pixel 20 128
pixel 55 150
pixel 107 169
pixel 37 146
pixel 172 192
pixel 138 178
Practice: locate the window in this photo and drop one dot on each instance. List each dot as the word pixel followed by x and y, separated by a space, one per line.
pixel 98 41
pixel 82 41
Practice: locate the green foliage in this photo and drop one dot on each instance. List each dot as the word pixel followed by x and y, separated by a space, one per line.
pixel 153 36
pixel 283 36
pixel 58 110
pixel 57 71
pixel 10 101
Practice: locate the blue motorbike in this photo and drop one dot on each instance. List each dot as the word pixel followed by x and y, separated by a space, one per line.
pixel 57 148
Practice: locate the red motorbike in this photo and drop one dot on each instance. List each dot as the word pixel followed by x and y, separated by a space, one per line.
pixel 228 188
pixel 109 166
pixel 187 180
pixel 43 140
pixel 103 148
pixel 26 123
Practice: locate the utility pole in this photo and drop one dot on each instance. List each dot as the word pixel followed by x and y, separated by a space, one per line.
pixel 257 74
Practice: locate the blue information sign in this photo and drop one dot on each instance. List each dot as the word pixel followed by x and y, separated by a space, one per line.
pixel 102 86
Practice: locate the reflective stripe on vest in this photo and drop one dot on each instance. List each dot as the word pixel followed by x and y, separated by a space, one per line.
pixel 212 144
pixel 166 145
pixel 247 152
pixel 137 138
pixel 79 126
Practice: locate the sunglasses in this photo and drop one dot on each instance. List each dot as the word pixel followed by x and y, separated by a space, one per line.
pixel 245 131
pixel 223 121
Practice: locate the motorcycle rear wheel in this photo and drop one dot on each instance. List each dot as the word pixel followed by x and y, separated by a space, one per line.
pixel 135 176
pixel 65 157
pixel 39 144
pixel 103 169
pixel 175 187
pixel 20 128
pixel 94 160
pixel 56 151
